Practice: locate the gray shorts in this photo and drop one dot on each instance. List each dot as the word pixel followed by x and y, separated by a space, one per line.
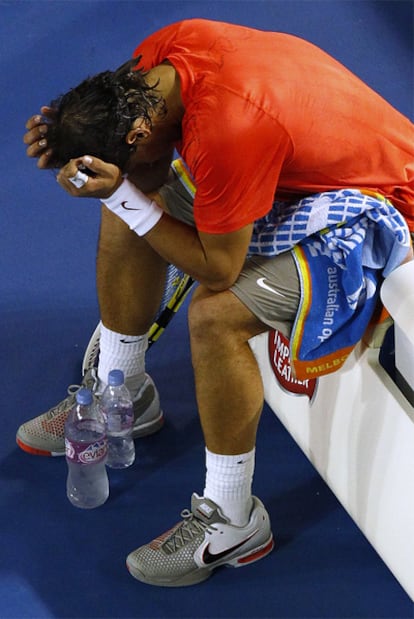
pixel 268 287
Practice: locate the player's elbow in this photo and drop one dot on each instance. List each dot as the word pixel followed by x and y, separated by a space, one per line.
pixel 221 281
pixel 224 257
pixel 217 286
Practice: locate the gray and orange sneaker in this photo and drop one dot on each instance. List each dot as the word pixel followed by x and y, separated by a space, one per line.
pixel 204 540
pixel 44 435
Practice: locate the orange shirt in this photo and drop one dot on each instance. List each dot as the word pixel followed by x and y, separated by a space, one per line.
pixel 269 115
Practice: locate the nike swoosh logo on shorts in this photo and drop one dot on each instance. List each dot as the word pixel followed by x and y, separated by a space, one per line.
pixel 209 557
pixel 261 282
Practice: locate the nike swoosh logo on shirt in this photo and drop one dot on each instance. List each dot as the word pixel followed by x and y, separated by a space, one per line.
pixel 209 557
pixel 261 282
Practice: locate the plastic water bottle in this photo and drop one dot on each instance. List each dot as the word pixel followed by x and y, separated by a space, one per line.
pixel 86 449
pixel 117 408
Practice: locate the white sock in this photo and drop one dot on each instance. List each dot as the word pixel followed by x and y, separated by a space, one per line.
pixel 122 352
pixel 229 484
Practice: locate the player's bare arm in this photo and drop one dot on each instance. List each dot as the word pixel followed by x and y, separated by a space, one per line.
pixel 215 260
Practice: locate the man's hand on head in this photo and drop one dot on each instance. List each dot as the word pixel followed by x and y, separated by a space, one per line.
pixel 89 177
pixel 36 136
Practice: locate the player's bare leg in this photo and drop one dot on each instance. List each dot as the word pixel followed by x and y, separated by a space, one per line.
pixel 227 517
pixel 128 271
pixel 228 382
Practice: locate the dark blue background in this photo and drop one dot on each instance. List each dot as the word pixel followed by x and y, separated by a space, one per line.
pixel 56 561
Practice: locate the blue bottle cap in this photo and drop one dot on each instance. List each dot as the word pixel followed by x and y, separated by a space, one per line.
pixel 84 397
pixel 115 378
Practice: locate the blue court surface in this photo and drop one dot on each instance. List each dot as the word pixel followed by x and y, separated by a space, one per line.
pixel 56 561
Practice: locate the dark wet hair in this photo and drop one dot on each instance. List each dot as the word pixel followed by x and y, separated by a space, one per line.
pixel 94 117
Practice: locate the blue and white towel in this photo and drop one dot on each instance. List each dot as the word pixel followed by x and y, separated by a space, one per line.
pixel 344 243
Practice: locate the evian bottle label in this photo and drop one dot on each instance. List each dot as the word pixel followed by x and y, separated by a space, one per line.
pixel 86 454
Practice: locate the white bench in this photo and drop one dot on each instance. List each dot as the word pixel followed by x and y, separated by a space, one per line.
pixel 357 428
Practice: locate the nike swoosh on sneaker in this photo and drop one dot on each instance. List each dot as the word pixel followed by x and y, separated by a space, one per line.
pixel 209 557
pixel 128 208
pixel 261 282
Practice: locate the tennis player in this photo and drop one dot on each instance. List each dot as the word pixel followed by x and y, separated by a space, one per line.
pixel 269 127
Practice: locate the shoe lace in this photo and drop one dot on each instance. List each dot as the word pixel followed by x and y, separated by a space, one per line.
pixel 188 530
pixel 90 379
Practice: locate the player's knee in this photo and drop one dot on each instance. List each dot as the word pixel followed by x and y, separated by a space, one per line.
pixel 206 314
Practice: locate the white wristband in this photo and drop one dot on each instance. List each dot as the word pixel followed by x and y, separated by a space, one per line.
pixel 134 208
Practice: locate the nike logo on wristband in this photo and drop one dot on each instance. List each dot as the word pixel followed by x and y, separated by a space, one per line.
pixel 261 282
pixel 128 208
pixel 209 557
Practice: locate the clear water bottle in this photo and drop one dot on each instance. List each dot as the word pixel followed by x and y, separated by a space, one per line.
pixel 86 449
pixel 117 408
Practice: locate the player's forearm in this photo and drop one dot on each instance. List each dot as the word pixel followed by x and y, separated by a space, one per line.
pixel 181 245
pixel 214 260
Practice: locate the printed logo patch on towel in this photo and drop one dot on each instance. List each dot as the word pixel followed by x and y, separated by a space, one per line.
pixel 279 357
